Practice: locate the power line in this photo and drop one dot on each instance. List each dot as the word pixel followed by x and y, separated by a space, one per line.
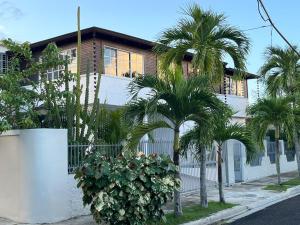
pixel 256 28
pixel 260 3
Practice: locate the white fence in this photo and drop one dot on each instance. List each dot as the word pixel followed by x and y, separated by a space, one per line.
pixel 35 186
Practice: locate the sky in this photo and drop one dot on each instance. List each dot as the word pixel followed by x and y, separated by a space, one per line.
pixel 35 20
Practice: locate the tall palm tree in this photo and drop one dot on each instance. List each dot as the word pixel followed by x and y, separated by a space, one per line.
pixel 176 100
pixel 198 139
pixel 221 133
pixel 272 113
pixel 209 38
pixel 281 73
pixel 224 132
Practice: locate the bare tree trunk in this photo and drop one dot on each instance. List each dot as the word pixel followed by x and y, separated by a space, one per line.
pixel 177 198
pixel 203 191
pixel 297 149
pixel 220 176
pixel 277 154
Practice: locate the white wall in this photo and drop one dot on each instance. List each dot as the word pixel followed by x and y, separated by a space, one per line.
pixel 238 104
pixel 250 173
pixel 34 183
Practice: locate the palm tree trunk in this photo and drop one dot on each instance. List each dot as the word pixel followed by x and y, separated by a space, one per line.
pixel 177 198
pixel 277 154
pixel 220 176
pixel 297 148
pixel 203 191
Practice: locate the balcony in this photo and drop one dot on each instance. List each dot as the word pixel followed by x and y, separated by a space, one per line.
pixel 237 103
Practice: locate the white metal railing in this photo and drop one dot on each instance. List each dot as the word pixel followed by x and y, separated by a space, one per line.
pixel 189 166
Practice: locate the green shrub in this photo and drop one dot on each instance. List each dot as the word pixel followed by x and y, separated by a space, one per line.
pixel 129 189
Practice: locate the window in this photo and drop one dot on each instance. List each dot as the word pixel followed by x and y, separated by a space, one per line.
pixel 110 61
pixel 3 63
pixel 122 63
pixel 136 64
pixel 71 54
pixel 234 87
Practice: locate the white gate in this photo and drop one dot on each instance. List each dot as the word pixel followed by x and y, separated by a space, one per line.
pixel 237 155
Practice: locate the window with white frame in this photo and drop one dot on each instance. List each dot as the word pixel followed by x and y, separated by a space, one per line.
pixel 71 54
pixel 122 63
pixel 3 63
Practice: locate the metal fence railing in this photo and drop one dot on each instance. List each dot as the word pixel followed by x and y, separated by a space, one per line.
pixel 77 152
pixel 189 166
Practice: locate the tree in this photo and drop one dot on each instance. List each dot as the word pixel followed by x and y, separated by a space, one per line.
pixel 225 131
pixel 220 132
pixel 281 73
pixel 207 35
pixel 17 102
pixel 197 140
pixel 176 100
pixel 21 96
pixel 272 113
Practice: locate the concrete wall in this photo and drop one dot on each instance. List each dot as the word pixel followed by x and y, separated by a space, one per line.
pixel 250 173
pixel 238 104
pixel 34 183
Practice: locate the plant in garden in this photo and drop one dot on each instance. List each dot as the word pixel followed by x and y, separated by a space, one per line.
pixel 272 113
pixel 198 140
pixel 281 73
pixel 172 100
pixel 223 132
pixel 17 102
pixel 219 131
pixel 129 189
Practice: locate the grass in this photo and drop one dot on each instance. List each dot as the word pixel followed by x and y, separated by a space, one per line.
pixel 284 185
pixel 195 212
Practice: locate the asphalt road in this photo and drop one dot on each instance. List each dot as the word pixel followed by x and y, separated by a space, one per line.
pixel 286 212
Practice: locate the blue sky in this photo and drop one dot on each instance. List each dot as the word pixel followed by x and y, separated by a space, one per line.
pixel 34 20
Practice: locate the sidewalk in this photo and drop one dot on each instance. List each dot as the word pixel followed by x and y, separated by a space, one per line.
pixel 249 196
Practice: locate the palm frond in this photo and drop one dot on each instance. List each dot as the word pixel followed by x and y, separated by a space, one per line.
pixel 138 131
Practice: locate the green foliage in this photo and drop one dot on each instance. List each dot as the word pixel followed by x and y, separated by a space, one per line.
pixel 57 98
pixel 129 189
pixel 209 37
pixel 284 185
pixel 268 112
pixel 18 103
pixel 172 98
pixel 196 212
pixel 281 71
pixel 112 127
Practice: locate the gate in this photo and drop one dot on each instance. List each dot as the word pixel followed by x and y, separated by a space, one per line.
pixel 237 156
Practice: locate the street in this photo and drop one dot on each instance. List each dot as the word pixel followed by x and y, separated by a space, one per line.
pixel 283 213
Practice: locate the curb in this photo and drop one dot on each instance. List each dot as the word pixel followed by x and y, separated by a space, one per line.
pixel 237 212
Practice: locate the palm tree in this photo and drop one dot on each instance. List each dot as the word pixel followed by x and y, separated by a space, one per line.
pixel 272 113
pixel 281 72
pixel 209 38
pixel 198 139
pixel 222 131
pixel 176 100
pixel 225 131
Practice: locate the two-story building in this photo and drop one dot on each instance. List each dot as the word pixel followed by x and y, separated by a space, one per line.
pixel 118 58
